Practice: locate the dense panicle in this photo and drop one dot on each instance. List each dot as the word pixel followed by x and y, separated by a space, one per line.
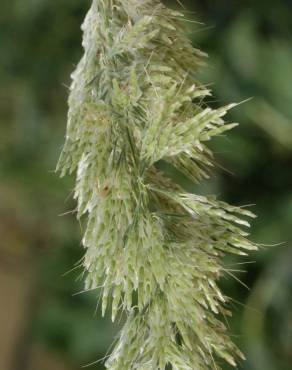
pixel 153 248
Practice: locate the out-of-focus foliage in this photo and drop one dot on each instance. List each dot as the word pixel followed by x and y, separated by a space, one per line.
pixel 249 43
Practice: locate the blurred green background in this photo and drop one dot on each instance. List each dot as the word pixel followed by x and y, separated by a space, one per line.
pixel 44 326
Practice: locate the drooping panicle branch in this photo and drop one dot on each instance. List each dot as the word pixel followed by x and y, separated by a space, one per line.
pixel 155 249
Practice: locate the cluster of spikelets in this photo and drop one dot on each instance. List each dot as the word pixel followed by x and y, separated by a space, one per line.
pixel 155 250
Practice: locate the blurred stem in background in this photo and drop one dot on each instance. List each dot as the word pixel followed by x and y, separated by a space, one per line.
pixel 272 121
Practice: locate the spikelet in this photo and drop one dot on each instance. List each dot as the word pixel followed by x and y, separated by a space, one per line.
pixel 155 249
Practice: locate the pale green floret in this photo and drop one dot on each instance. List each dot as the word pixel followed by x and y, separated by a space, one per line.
pixel 155 250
